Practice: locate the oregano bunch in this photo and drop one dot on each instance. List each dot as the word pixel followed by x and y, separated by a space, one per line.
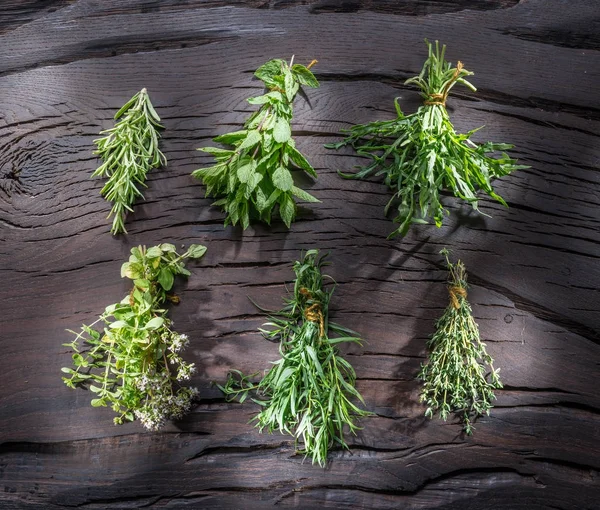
pixel 252 176
pixel 456 378
pixel 309 391
pixel 421 154
pixel 134 363
pixel 129 151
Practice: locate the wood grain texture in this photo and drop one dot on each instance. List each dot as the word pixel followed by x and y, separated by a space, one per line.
pixel 66 66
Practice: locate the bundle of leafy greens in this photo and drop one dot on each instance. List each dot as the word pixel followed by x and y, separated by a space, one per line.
pixel 421 154
pixel 129 151
pixel 455 377
pixel 253 175
pixel 134 363
pixel 307 393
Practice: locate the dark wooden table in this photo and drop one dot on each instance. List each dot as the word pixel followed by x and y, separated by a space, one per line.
pixel 66 66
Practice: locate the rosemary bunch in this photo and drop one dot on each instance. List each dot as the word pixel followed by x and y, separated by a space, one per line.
pixel 455 377
pixel 253 175
pixel 307 393
pixel 421 154
pixel 134 362
pixel 128 151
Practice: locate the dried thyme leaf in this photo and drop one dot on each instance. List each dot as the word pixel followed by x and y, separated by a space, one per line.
pixel 455 379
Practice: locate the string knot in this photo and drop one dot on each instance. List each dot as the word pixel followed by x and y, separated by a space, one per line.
pixel 314 312
pixel 455 292
pixel 440 99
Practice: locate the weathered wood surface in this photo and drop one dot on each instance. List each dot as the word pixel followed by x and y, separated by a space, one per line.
pixel 66 66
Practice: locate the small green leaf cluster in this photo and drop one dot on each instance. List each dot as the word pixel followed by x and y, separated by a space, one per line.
pixel 421 154
pixel 128 151
pixel 307 393
pixel 133 364
pixel 454 378
pixel 253 175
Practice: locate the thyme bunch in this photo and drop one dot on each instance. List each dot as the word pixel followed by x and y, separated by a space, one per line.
pixel 134 364
pixel 128 151
pixel 455 379
pixel 421 154
pixel 253 175
pixel 309 391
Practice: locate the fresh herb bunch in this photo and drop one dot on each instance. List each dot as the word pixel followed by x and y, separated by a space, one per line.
pixel 128 151
pixel 421 154
pixel 455 377
pixel 134 363
pixel 253 175
pixel 308 392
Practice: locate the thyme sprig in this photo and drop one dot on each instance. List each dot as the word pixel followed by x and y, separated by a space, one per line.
pixel 421 154
pixel 128 151
pixel 134 363
pixel 309 392
pixel 253 175
pixel 455 379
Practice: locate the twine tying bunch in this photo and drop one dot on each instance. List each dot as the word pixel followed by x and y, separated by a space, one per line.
pixel 314 312
pixel 455 292
pixel 440 99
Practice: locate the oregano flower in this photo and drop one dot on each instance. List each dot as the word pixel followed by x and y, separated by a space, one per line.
pixel 134 364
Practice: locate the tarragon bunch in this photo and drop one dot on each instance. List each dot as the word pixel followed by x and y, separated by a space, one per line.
pixel 253 175
pixel 456 378
pixel 128 151
pixel 307 393
pixel 421 154
pixel 134 364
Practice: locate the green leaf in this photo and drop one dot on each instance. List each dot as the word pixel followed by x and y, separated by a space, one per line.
pixel 98 402
pixel 252 138
pixel 154 323
pixel 196 251
pixel 281 131
pixel 154 252
pixel 268 71
pixel 300 161
pixel 168 248
pixel 166 278
pixel 287 210
pixel 245 172
pixel 303 195
pixel 282 179
pixel 305 76
pixel 118 325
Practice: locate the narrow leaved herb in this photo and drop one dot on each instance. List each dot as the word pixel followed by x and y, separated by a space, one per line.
pixel 133 364
pixel 455 377
pixel 307 393
pixel 421 154
pixel 253 175
pixel 128 151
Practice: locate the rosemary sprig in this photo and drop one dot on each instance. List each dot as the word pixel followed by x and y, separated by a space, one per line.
pixel 455 377
pixel 421 154
pixel 128 151
pixel 307 393
pixel 127 364
pixel 253 175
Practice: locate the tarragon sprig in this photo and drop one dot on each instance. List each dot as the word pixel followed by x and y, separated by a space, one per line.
pixel 309 392
pixel 133 364
pixel 454 379
pixel 128 151
pixel 253 175
pixel 421 154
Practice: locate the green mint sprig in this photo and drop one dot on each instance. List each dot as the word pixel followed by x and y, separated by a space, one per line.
pixel 454 379
pixel 253 176
pixel 128 151
pixel 309 392
pixel 421 154
pixel 134 364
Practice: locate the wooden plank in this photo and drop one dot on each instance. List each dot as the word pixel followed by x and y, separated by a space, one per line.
pixel 533 267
